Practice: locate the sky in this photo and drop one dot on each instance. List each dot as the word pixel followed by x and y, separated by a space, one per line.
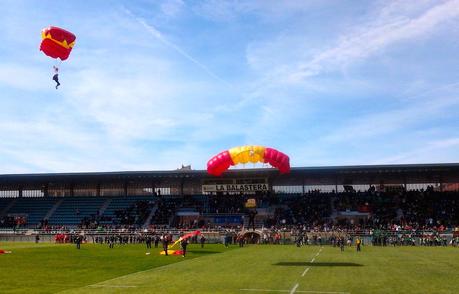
pixel 152 85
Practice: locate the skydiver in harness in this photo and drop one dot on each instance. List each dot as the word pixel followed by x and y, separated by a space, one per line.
pixel 56 76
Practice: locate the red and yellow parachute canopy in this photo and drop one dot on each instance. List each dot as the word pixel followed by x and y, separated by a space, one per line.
pixel 57 42
pixel 184 237
pixel 245 154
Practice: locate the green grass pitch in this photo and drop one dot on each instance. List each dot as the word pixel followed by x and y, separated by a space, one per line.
pixel 52 268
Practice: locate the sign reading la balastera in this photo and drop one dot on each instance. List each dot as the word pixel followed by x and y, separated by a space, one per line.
pixel 235 188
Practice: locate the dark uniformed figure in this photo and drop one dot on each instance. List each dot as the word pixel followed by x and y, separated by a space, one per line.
pixel 202 241
pixel 78 240
pixel 226 240
pixel 341 243
pixel 165 243
pixel 184 244
pixel 252 215
pixel 156 241
pixel 299 240
pixel 240 239
pixel 148 241
pixel 37 238
pixel 111 242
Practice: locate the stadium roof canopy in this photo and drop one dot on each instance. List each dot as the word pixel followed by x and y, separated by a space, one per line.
pixel 361 174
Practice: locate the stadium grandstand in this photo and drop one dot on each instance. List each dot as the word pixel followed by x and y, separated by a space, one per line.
pixel 419 196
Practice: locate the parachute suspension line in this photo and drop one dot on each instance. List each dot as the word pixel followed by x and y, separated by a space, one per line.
pixel 58 63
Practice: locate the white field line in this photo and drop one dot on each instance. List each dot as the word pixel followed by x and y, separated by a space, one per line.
pixel 307 269
pixel 111 286
pixel 322 292
pixel 104 283
pixel 317 254
pixel 263 290
pixel 296 291
pixel 294 288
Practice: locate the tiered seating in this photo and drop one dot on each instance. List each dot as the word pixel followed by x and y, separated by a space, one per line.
pixel 73 209
pixel 4 203
pixel 35 208
pixel 166 210
pixel 119 203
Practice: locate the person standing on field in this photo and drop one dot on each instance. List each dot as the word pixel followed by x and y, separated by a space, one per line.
pixel 341 243
pixel 156 241
pixel 148 242
pixel 202 241
pixel 358 242
pixel 111 242
pixel 165 240
pixel 78 240
pixel 184 244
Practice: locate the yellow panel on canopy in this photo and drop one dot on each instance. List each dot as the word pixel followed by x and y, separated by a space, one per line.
pixel 246 154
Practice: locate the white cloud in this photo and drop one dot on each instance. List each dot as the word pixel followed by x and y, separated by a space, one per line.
pixel 393 23
pixel 439 150
pixel 289 68
pixel 222 10
pixel 172 8
pixel 118 108
pixel 267 10
pixel 390 121
pixel 159 36
pixel 374 37
pixel 24 77
pixel 134 97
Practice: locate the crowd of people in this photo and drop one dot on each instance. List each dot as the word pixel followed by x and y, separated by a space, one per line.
pixel 15 222
pixel 420 209
pixel 236 203
pixel 147 238
pixel 7 222
pixel 416 209
pixel 393 211
pixel 134 215
pixel 300 235
pixel 165 211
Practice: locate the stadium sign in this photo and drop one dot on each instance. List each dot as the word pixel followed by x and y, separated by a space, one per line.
pixel 235 188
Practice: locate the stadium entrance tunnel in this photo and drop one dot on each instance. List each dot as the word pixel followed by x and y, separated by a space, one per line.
pixel 331 264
